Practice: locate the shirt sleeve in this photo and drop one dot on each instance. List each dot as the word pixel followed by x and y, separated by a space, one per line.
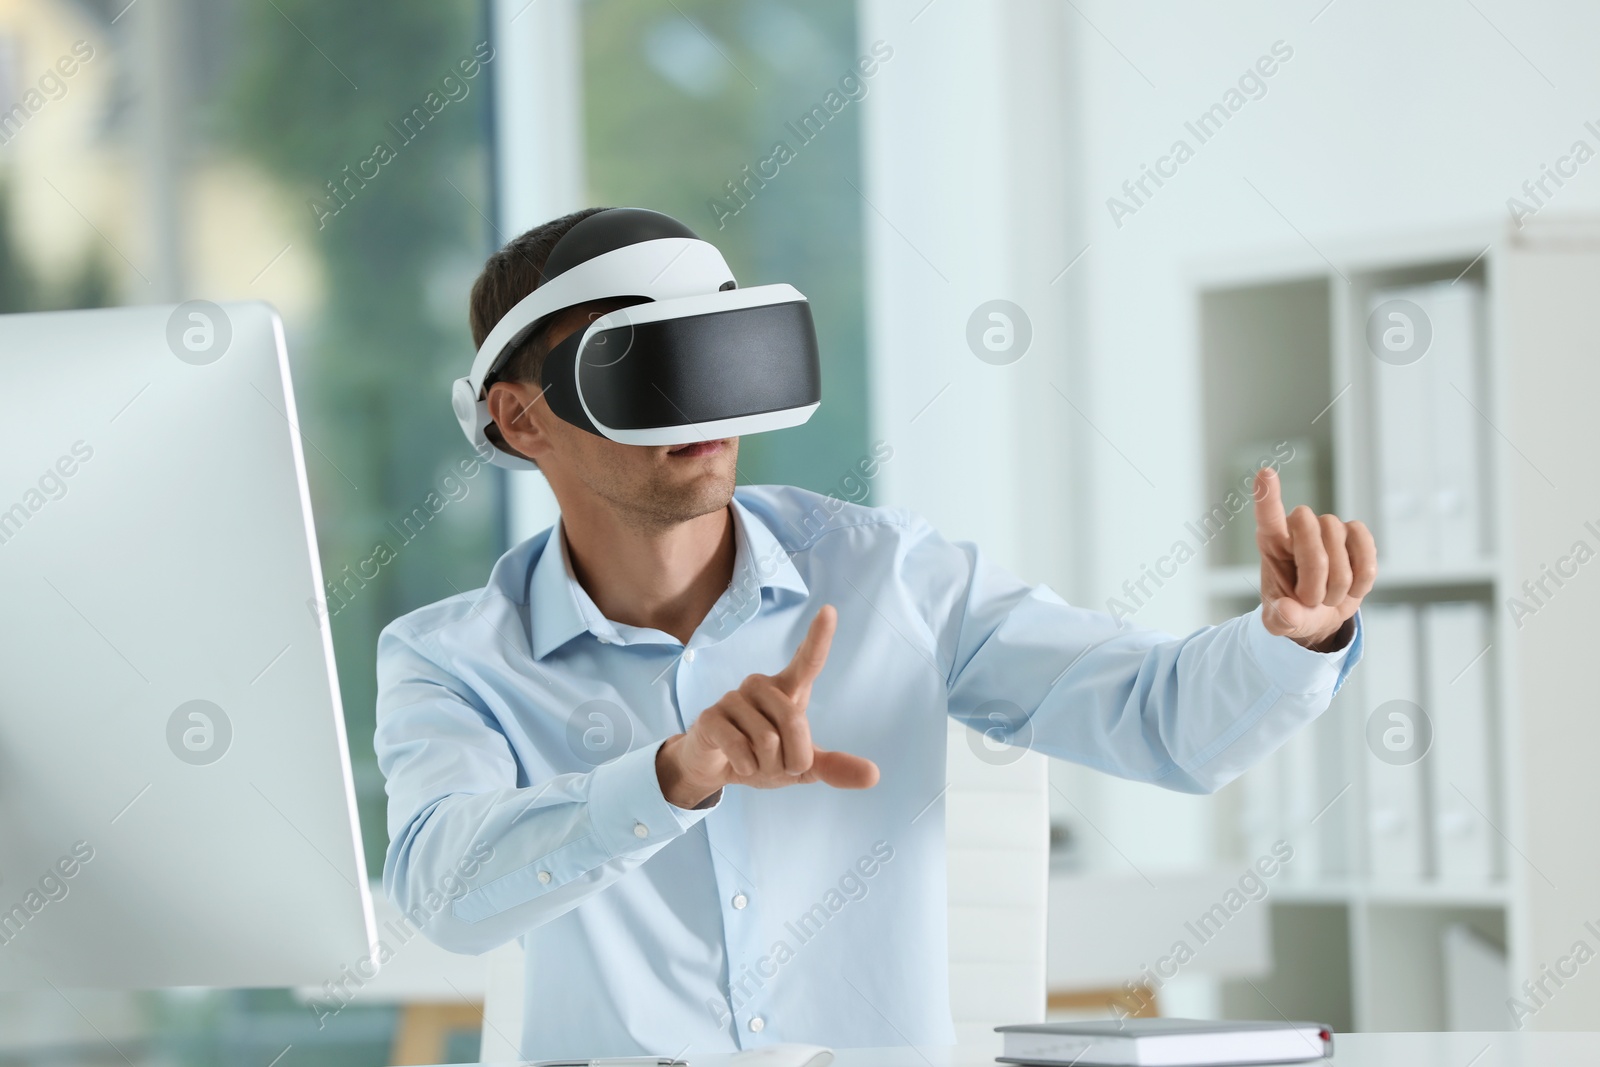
pixel 1188 713
pixel 478 854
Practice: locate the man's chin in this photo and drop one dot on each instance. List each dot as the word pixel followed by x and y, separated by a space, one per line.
pixel 683 501
pixel 712 495
pixel 665 491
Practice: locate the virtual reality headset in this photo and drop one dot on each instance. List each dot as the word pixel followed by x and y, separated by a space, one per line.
pixel 698 359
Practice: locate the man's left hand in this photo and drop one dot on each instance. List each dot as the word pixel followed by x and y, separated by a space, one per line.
pixel 1315 569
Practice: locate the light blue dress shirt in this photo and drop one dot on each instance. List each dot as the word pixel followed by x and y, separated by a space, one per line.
pixel 518 727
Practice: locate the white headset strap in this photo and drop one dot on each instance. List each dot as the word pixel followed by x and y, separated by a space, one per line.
pixel 663 269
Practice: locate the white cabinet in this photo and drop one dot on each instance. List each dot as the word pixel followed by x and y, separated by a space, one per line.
pixel 1477 472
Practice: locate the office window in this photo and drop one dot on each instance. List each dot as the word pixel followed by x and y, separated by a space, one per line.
pixel 337 165
pixel 743 121
pixel 331 159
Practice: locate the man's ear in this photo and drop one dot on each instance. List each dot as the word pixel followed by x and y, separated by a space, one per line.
pixel 511 406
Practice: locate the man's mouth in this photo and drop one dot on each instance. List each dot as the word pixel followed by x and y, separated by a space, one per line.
pixel 698 448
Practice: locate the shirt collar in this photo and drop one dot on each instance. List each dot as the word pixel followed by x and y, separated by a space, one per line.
pixel 553 615
pixel 561 609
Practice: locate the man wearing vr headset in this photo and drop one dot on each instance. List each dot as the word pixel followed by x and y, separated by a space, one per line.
pixel 749 687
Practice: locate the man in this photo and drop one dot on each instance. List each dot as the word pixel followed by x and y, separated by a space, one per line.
pixel 688 745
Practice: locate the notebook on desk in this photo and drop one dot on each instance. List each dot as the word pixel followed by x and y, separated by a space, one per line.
pixel 1164 1043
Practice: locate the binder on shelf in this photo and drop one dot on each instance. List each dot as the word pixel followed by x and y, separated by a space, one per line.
pixel 1336 804
pixel 1297 781
pixel 1458 442
pixel 1260 812
pixel 1397 826
pixel 1477 981
pixel 1401 467
pixel 1458 674
pixel 1427 429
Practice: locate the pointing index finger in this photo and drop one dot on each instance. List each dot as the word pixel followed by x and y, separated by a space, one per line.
pixel 811 655
pixel 1271 520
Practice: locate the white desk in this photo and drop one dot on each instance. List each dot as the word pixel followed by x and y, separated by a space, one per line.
pixel 1350 1050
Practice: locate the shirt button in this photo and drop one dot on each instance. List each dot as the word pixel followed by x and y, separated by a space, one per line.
pixel 603 639
pixel 740 900
pixel 757 1024
pixel 641 830
pixel 544 877
pixel 688 655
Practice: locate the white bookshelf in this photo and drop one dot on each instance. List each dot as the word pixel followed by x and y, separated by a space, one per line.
pixel 1282 351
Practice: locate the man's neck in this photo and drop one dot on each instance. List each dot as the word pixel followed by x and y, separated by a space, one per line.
pixel 658 577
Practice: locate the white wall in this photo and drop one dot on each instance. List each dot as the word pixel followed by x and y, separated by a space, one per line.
pixel 964 202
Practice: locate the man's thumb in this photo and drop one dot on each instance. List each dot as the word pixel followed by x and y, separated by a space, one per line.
pixel 842 770
pixel 1284 616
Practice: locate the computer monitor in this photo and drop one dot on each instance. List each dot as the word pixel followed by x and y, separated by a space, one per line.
pixel 176 803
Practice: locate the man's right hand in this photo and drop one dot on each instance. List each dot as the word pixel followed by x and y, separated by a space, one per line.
pixel 757 735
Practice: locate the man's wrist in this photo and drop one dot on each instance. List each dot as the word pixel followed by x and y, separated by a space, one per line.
pixel 679 790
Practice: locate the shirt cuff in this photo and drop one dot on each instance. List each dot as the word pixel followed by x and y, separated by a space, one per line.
pixel 1294 668
pixel 627 808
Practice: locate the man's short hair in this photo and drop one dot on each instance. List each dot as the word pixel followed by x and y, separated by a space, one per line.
pixel 509 275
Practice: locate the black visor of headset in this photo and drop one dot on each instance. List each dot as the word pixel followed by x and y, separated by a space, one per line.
pixel 694 369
